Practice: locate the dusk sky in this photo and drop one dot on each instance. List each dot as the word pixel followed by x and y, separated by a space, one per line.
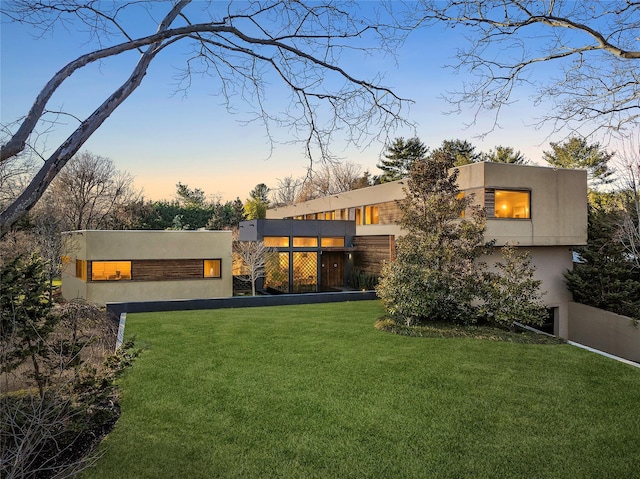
pixel 163 137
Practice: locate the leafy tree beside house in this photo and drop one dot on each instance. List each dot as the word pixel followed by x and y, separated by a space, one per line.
pixel 439 274
pixel 434 276
pixel 512 292
pixel 227 216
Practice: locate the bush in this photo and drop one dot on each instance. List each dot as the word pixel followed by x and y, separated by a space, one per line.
pixel 362 280
pixel 512 295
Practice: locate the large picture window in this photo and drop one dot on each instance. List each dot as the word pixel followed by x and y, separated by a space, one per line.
pixel 110 270
pixel 512 204
pixel 508 204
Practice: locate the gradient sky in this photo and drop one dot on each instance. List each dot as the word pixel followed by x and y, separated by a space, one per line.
pixel 162 138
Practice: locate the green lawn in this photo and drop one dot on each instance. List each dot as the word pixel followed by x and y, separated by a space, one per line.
pixel 316 392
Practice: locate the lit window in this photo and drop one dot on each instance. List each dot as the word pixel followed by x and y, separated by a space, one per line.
pixel 342 214
pixel 371 215
pixel 276 241
pixel 305 242
pixel 110 270
pixel 512 204
pixel 311 216
pixel 305 272
pixel 330 215
pixel 81 269
pixel 276 270
pixel 212 268
pixel 460 196
pixel 332 242
pixel 358 216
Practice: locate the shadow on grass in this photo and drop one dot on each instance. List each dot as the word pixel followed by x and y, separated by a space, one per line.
pixel 448 330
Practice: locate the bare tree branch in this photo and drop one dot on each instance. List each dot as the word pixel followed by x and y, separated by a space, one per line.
pixel 591 49
pixel 300 43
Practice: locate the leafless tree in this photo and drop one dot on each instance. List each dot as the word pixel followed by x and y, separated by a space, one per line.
pixel 591 46
pixel 89 191
pixel 242 45
pixel 332 178
pixel 251 258
pixel 13 174
pixel 287 191
pixel 49 240
pixel 40 423
pixel 39 432
pixel 630 177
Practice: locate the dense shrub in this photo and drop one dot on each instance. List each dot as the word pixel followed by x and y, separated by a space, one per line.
pixel 362 280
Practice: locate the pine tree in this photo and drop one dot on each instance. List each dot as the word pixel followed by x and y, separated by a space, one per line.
pixel 25 319
pixel 400 156
pixel 459 152
pixel 576 153
pixel 505 154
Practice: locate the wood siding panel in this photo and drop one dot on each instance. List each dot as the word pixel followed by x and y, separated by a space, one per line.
pixel 490 202
pixel 389 213
pixel 167 269
pixel 371 251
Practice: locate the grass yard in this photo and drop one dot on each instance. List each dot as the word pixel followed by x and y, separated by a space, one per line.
pixel 316 392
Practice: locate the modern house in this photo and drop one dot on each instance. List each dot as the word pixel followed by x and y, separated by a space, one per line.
pixel 542 210
pixel 119 266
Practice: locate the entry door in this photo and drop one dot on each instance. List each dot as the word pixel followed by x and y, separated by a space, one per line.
pixel 332 269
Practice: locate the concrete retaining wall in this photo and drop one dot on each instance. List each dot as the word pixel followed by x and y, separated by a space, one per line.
pixel 608 332
pixel 238 302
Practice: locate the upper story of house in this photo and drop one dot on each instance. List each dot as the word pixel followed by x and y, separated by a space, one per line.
pixel 525 205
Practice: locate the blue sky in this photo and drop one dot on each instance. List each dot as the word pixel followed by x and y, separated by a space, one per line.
pixel 162 138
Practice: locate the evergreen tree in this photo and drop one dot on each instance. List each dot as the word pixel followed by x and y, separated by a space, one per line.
pixel 400 156
pixel 190 198
pixel 504 154
pixel 25 319
pixel 227 216
pixel 260 193
pixel 258 203
pixel 576 153
pixel 459 152
pixel 433 277
pixel 512 292
pixel 604 276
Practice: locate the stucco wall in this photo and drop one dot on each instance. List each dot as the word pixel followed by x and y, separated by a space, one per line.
pixel 558 204
pixel 114 245
pixel 104 292
pixel 608 332
pixel 148 245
